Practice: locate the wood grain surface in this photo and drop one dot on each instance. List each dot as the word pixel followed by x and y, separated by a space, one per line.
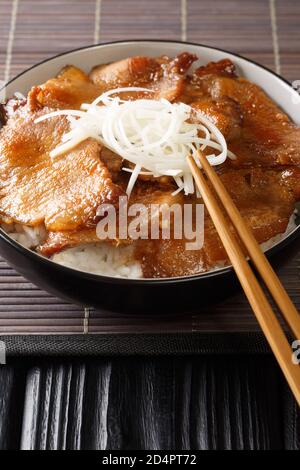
pixel 267 31
pixel 189 403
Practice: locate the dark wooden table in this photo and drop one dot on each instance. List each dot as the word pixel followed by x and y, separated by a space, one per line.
pixel 199 401
pixel 186 403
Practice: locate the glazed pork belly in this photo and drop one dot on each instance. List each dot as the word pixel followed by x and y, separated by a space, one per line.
pixel 143 193
pixel 164 76
pixel 258 132
pixel 265 198
pixel 62 193
pixel 68 90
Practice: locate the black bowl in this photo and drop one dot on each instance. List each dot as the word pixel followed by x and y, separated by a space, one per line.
pixel 143 295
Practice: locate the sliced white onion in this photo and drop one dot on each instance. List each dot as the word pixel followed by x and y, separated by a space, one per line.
pixel 154 135
pixel 132 180
pixel 62 112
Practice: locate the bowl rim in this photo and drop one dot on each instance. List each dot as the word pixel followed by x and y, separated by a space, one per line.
pixel 138 281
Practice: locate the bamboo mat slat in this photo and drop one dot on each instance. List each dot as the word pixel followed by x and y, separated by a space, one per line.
pixel 48 27
pixel 267 31
pixel 5 15
pixel 242 27
pixel 288 27
pixel 138 19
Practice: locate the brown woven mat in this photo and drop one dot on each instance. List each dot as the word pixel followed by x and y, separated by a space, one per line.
pixel 32 30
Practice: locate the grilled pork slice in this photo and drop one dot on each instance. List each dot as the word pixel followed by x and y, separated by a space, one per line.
pixel 72 86
pixel 266 136
pixel 144 193
pixel 58 241
pixel 163 75
pixel 63 193
pixel 224 113
pixel 68 90
pixel 222 68
pixel 266 199
pixel 168 258
pixel 194 88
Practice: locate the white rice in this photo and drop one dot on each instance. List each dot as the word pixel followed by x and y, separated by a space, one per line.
pixel 30 237
pixel 101 258
pixel 104 258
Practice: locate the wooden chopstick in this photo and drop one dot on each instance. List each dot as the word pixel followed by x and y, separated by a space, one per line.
pixel 256 297
pixel 255 253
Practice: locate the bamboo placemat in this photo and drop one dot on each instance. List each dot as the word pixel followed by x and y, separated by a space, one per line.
pixel 32 30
